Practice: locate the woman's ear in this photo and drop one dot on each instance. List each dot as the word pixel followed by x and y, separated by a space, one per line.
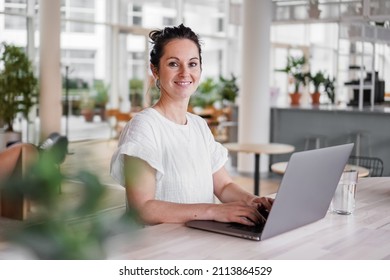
pixel 154 71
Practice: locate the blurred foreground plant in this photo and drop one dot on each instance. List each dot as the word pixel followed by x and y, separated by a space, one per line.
pixel 59 231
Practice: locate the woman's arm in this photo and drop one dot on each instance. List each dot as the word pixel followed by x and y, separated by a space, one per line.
pixel 140 180
pixel 228 191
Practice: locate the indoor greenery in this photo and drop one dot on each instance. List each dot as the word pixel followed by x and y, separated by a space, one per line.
pixel 18 84
pixel 136 88
pixel 205 95
pixel 68 232
pixel 228 89
pixel 294 69
pixel 329 85
pixel 211 90
pixel 317 80
pixel 101 92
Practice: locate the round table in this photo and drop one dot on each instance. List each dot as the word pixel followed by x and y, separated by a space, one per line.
pixel 257 150
pixel 280 168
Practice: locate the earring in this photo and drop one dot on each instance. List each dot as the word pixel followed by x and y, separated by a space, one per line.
pixel 158 83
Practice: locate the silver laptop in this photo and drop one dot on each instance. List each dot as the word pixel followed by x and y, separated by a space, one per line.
pixel 303 197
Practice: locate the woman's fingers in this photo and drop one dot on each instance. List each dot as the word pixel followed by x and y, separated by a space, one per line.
pixel 239 213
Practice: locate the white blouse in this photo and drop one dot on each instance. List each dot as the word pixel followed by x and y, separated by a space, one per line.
pixel 184 156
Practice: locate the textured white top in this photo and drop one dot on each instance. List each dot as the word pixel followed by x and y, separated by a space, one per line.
pixel 184 156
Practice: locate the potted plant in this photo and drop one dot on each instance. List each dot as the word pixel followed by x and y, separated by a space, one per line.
pixel 317 80
pixel 87 106
pixel 18 87
pixel 202 101
pixel 228 89
pixel 100 97
pixel 293 68
pixel 136 87
pixel 329 86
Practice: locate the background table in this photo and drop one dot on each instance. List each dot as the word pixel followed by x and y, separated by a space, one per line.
pixel 257 150
pixel 280 168
pixel 363 235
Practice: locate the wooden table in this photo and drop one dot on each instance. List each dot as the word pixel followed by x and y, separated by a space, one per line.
pixel 363 235
pixel 257 150
pixel 280 168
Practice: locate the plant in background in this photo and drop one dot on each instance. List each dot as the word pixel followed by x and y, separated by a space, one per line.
pixel 329 85
pixel 101 93
pixel 317 80
pixel 18 84
pixel 61 231
pixel 100 97
pixel 228 89
pixel 206 94
pixel 294 68
pixel 136 87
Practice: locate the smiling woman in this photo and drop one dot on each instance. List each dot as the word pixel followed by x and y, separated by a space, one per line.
pixel 167 158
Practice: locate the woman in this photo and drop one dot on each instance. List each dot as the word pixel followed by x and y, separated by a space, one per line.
pixel 167 158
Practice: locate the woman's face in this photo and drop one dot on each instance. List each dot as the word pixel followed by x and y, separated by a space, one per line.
pixel 180 69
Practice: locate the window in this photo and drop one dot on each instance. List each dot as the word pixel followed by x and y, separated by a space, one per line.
pixel 12 10
pixel 75 10
pixel 167 21
pixel 136 15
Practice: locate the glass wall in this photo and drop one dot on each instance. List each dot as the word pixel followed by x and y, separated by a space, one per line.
pixel 107 42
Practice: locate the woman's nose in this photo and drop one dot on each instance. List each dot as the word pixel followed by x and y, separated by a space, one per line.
pixel 183 70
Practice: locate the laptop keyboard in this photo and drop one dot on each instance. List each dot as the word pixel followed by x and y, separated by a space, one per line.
pixel 254 229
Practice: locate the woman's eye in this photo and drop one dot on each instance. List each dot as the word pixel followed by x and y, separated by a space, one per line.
pixel 172 64
pixel 193 64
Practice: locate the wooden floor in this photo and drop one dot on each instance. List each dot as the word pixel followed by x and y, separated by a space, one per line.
pixel 95 156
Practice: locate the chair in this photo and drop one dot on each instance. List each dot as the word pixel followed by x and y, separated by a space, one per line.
pixel 373 164
pixel 315 142
pixel 362 142
pixel 13 163
pixel 57 145
pixel 117 120
pixel 312 142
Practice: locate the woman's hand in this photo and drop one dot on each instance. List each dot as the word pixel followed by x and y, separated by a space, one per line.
pixel 238 212
pixel 262 202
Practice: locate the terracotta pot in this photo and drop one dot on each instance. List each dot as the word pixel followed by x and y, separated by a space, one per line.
pixel 315 98
pixel 88 115
pixel 295 98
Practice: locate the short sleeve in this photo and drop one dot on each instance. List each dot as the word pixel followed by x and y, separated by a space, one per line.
pixel 219 156
pixel 137 139
pixel 218 153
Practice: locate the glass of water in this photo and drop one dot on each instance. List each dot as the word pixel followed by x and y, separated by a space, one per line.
pixel 343 201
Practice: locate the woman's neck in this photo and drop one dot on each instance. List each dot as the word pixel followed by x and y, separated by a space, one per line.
pixel 175 112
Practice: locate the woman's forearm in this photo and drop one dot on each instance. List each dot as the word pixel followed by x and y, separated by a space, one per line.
pixel 156 212
pixel 232 192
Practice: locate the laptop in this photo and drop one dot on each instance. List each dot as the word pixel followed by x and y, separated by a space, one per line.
pixel 304 195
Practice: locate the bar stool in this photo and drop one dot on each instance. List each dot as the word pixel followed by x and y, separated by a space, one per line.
pixel 315 142
pixel 362 142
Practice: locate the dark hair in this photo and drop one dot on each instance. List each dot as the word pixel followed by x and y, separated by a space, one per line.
pixel 162 37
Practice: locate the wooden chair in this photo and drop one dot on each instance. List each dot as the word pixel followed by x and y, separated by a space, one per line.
pixel 14 161
pixel 117 120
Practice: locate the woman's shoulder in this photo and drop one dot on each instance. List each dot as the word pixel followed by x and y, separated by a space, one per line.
pixel 196 118
pixel 142 121
pixel 145 116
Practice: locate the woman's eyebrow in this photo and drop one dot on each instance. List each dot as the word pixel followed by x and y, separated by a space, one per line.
pixel 176 58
